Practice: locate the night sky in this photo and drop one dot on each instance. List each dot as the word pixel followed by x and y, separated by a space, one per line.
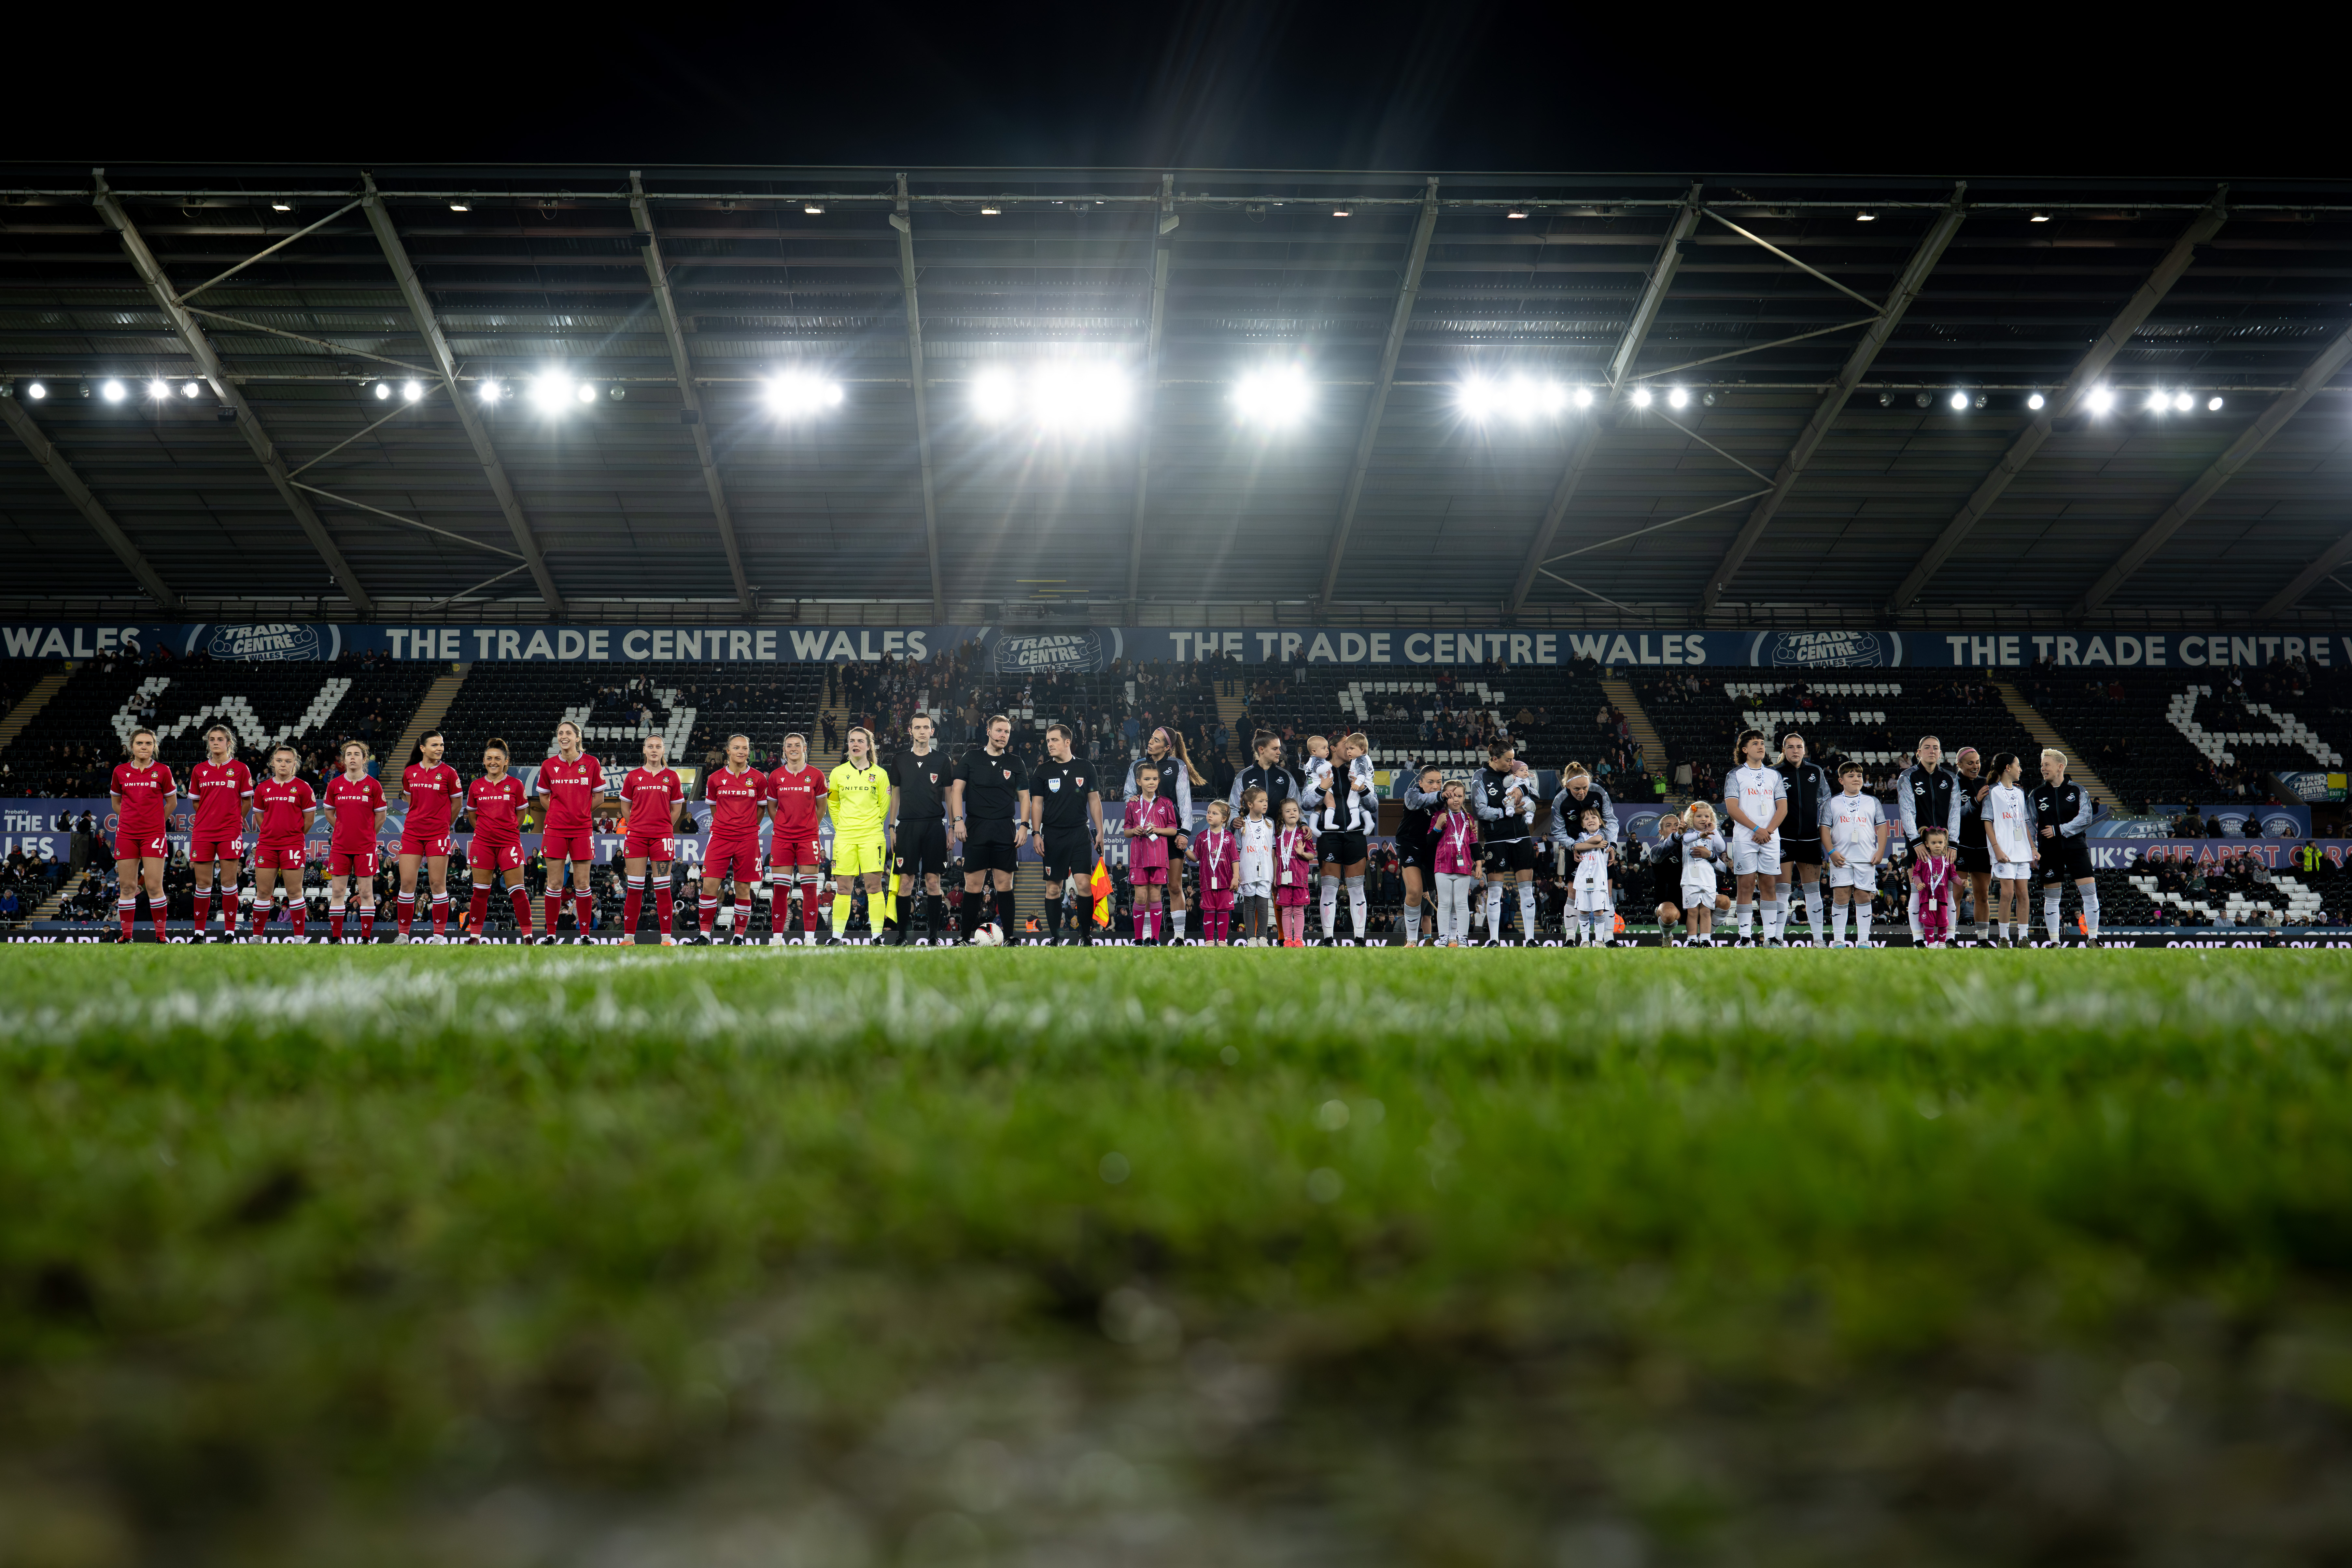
pixel 1289 84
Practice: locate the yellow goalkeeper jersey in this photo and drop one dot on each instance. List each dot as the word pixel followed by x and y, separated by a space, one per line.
pixel 859 799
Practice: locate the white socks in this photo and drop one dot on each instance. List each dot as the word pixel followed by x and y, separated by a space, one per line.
pixel 2091 911
pixel 1774 912
pixel 2050 916
pixel 1527 912
pixel 1862 923
pixel 1330 908
pixel 1176 920
pixel 1411 922
pixel 1744 912
pixel 1812 891
pixel 1358 911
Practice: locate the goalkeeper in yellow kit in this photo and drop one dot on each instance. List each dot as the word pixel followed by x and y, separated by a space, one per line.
pixel 857 798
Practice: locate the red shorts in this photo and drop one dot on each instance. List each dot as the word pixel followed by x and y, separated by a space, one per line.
pixel 205 851
pixel 281 857
pixel 507 857
pixel 410 844
pixel 127 848
pixel 644 847
pixel 573 844
pixel 784 851
pixel 350 862
pixel 739 859
pixel 1146 875
pixel 1212 901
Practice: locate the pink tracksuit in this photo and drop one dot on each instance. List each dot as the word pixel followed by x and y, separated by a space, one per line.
pixel 1219 857
pixel 1456 833
pixel 1294 852
pixel 1935 881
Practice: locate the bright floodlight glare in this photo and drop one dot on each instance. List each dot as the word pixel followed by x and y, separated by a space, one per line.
pixel 39 390
pixel 1077 396
pixel 992 212
pixel 2034 401
pixel 1640 397
pixel 2183 402
pixel 159 389
pixel 490 392
pixel 552 391
pixel 994 396
pixel 798 393
pixel 1480 397
pixel 1516 212
pixel 2157 402
pixel 2214 404
pixel 282 206
pixel 1678 398
pixel 1959 400
pixel 815 209
pixel 411 390
pixel 1273 397
pixel 1584 397
pixel 585 392
pixel 1865 217
pixel 1338 212
pixel 112 391
pixel 382 390
pixel 188 389
pixel 460 207
pixel 2038 217
pixel 2101 400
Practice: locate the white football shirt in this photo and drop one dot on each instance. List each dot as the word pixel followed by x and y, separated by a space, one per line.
pixel 1853 821
pixel 1753 791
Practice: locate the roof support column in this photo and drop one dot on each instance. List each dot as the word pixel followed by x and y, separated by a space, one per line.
pixel 1857 365
pixel 2066 399
pixel 657 273
pixel 208 366
pixel 1416 258
pixel 45 452
pixel 1585 441
pixel 1158 317
pixel 901 221
pixel 420 311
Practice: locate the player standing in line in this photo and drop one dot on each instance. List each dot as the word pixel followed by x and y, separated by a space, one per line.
pixel 1927 793
pixel 1218 853
pixel 284 808
pixel 918 830
pixel 2008 830
pixel 736 794
pixel 222 788
pixel 1756 802
pixel 1576 792
pixel 1972 857
pixel 1254 867
pixel 653 796
pixel 1665 863
pixel 1801 832
pixel 356 802
pixel 572 783
pixel 1703 852
pixel 496 801
pixel 1595 916
pixel 857 798
pixel 1852 835
pixel 432 789
pixel 1065 809
pixel 1264 771
pixel 1502 797
pixel 2061 815
pixel 796 792
pixel 1419 789
pixel 1347 813
pixel 1314 788
pixel 989 787
pixel 1148 822
pixel 142 794
pixel 1165 750
pixel 1454 859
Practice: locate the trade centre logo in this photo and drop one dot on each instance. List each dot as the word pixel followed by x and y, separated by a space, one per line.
pixel 1828 651
pixel 268 640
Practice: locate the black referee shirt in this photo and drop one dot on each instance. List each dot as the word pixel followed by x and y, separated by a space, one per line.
pixel 1063 787
pixel 922 784
pixel 991 795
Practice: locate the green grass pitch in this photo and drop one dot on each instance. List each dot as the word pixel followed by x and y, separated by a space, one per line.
pixel 540 1257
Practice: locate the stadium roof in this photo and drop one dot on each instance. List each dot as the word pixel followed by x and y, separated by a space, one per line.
pixel 1822 327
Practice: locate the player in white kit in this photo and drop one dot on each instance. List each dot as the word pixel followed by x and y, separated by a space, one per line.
pixel 2008 812
pixel 1854 841
pixel 1595 918
pixel 1755 800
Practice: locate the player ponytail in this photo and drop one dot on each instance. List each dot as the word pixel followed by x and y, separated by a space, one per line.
pixel 1573 770
pixel 428 735
pixel 1739 747
pixel 2001 762
pixel 496 745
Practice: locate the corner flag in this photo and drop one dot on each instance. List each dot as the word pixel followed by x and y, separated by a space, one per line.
pixel 1099 889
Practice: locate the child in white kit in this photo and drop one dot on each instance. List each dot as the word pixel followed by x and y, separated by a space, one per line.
pixel 1703 851
pixel 1253 870
pixel 1594 918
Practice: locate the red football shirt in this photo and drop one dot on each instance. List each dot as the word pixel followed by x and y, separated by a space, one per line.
pixel 353 806
pixel 433 793
pixel 146 799
pixel 735 801
pixel 792 796
pixel 650 792
pixel 497 804
pixel 222 790
pixel 570 789
pixel 283 802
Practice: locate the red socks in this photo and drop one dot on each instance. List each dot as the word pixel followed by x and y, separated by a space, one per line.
pixel 780 907
pixel 481 911
pixel 709 912
pixel 440 914
pixel 522 910
pixel 662 910
pixel 809 887
pixel 584 911
pixel 633 907
pixel 128 910
pixel 404 912
pixel 367 922
pixel 554 901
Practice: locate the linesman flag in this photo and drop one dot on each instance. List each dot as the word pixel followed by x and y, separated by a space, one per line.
pixel 1098 888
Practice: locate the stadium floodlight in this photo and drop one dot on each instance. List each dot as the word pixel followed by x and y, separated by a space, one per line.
pixel 2038 217
pixel 112 391
pixel 1479 397
pixel 282 206
pixel 2157 402
pixel 1516 212
pixel 382 390
pixel 159 389
pixel 460 207
pixel 585 392
pixel 814 209
pixel 1960 401
pixel 796 395
pixel 995 396
pixel 1077 396
pixel 1640 397
pixel 1583 399
pixel 2183 403
pixel 1277 397
pixel 2100 400
pixel 411 390
pixel 1678 398
pixel 552 391
pixel 37 390
pixel 1865 217
pixel 2034 401
pixel 1340 212
pixel 2214 404
pixel 992 212
pixel 189 389
pixel 490 391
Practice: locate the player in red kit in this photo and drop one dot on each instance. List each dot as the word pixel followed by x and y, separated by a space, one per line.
pixel 653 796
pixel 285 808
pixel 222 790
pixel 571 782
pixel 794 793
pixel 432 789
pixel 356 802
pixel 142 794
pixel 496 801
pixel 736 794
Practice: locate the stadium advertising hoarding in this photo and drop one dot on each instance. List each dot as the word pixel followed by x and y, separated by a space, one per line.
pixel 1010 650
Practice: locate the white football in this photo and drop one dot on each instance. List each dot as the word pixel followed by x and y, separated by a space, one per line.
pixel 988 935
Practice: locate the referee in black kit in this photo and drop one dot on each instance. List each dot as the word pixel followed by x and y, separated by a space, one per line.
pixel 920 777
pixel 1066 800
pixel 988 806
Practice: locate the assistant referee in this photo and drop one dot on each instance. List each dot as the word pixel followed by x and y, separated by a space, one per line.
pixel 920 777
pixel 1065 802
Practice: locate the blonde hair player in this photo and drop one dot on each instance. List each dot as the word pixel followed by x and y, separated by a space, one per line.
pixel 222 787
pixel 1703 856
pixel 573 784
pixel 494 804
pixel 1345 798
pixel 2062 818
pixel 142 794
pixel 356 802
pixel 857 799
pixel 653 796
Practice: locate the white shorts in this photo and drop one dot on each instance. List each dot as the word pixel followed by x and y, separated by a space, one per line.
pixel 1698 895
pixel 2012 871
pixel 1593 900
pixel 1853 874
pixel 1749 858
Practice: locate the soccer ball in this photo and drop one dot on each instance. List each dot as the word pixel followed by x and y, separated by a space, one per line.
pixel 988 935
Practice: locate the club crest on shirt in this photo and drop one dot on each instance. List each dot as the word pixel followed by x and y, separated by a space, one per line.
pixel 1007 771
pixel 935 778
pixel 1055 785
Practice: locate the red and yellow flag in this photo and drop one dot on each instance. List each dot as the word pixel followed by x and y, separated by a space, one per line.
pixel 1098 888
